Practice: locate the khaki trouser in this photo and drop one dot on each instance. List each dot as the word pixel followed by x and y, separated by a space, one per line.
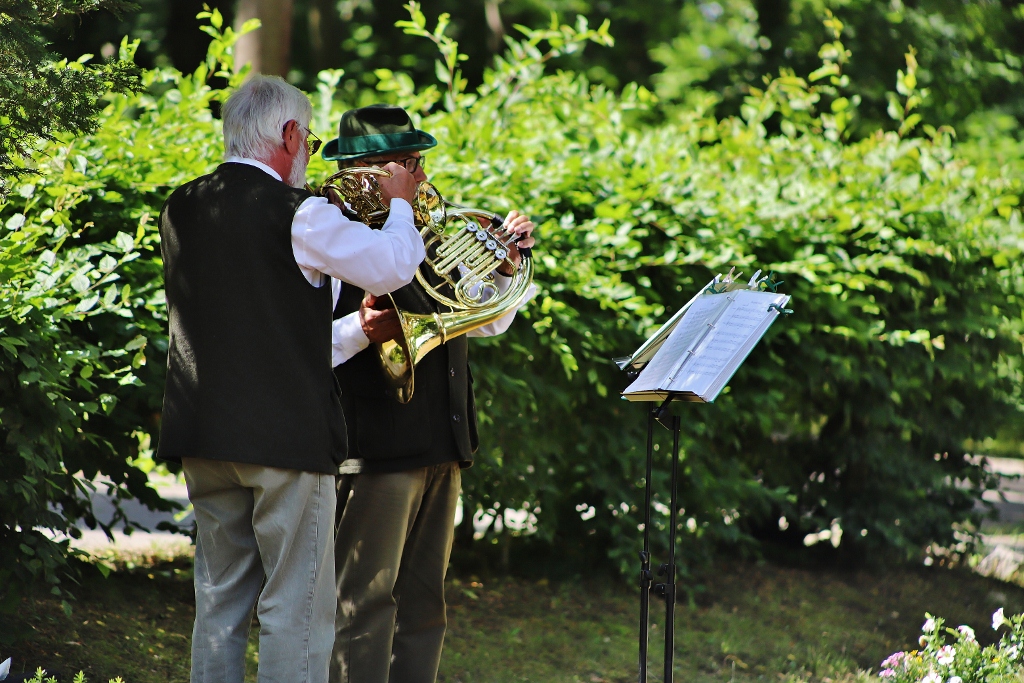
pixel 257 524
pixel 394 538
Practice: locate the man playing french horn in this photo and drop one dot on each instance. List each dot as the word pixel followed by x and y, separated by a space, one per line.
pixel 399 489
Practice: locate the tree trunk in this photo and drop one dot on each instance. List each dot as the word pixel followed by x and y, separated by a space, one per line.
pixel 325 30
pixel 493 14
pixel 268 48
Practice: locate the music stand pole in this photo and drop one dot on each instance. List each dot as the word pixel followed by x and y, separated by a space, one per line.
pixel 645 554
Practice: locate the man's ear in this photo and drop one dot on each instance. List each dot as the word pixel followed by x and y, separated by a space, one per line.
pixel 292 137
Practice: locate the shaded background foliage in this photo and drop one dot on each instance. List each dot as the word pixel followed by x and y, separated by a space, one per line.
pixel 970 52
pixel 900 246
pixel 40 94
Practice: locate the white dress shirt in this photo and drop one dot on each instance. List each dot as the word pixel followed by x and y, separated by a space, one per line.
pixel 325 242
pixel 349 338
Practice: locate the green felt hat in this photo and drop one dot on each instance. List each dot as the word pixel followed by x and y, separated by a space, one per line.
pixel 375 130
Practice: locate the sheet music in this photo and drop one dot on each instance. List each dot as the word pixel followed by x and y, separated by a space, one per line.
pixel 747 313
pixel 675 349
pixel 707 346
pixel 654 342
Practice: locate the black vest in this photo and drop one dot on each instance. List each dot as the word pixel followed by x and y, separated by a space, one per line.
pixel 249 347
pixel 438 425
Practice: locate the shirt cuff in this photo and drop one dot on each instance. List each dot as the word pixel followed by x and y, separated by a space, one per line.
pixel 348 338
pixel 399 210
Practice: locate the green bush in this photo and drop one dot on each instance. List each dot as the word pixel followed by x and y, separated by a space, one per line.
pixel 903 263
pixel 59 383
pixel 80 311
pixel 847 423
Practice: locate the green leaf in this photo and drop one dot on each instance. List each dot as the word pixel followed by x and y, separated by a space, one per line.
pixel 137 342
pixel 87 304
pixel 80 283
pixel 829 69
pixel 124 242
pixel 442 73
pixel 249 26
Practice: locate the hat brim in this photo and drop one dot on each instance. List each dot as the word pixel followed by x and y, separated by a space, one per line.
pixel 340 149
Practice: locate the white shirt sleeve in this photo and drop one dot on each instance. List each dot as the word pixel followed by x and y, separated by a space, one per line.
pixel 500 325
pixel 347 338
pixel 324 241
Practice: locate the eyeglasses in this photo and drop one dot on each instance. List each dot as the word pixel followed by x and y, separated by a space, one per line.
pixel 313 143
pixel 411 164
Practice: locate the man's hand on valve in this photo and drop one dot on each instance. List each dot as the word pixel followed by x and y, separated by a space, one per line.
pixel 520 225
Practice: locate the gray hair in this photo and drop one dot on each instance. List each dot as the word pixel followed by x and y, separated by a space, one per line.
pixel 255 114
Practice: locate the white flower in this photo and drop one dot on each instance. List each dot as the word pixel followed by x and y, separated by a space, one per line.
pixel 945 655
pixel 998 619
pixel 929 625
pixel 5 668
pixel 967 632
pixel 955 679
pixel 835 533
pixel 932 678
pixel 1011 654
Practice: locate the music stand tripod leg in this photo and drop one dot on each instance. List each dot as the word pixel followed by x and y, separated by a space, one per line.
pixel 645 554
pixel 670 567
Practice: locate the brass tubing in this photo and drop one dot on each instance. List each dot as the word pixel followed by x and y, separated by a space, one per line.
pixel 423 332
pixel 452 256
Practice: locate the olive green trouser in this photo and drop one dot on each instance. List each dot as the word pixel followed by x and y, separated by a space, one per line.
pixel 394 538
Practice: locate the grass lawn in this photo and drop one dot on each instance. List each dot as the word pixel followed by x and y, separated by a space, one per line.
pixel 752 622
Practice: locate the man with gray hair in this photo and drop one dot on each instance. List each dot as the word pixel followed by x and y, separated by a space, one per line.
pixel 251 407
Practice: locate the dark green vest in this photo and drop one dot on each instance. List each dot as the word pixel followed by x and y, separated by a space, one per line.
pixel 438 425
pixel 249 346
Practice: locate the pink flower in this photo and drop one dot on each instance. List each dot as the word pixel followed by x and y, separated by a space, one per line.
pixel 893 660
pixel 886 673
pixel 967 632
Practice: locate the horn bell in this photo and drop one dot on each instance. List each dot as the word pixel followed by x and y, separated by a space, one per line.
pixel 424 332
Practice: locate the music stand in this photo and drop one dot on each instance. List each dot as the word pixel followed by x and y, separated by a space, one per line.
pixel 690 358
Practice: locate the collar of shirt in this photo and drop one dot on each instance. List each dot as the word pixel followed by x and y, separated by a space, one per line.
pixel 253 162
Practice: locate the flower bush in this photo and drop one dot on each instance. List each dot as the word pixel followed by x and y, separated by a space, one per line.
pixel 949 655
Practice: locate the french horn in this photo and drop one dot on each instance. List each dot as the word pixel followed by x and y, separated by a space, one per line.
pixel 452 235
